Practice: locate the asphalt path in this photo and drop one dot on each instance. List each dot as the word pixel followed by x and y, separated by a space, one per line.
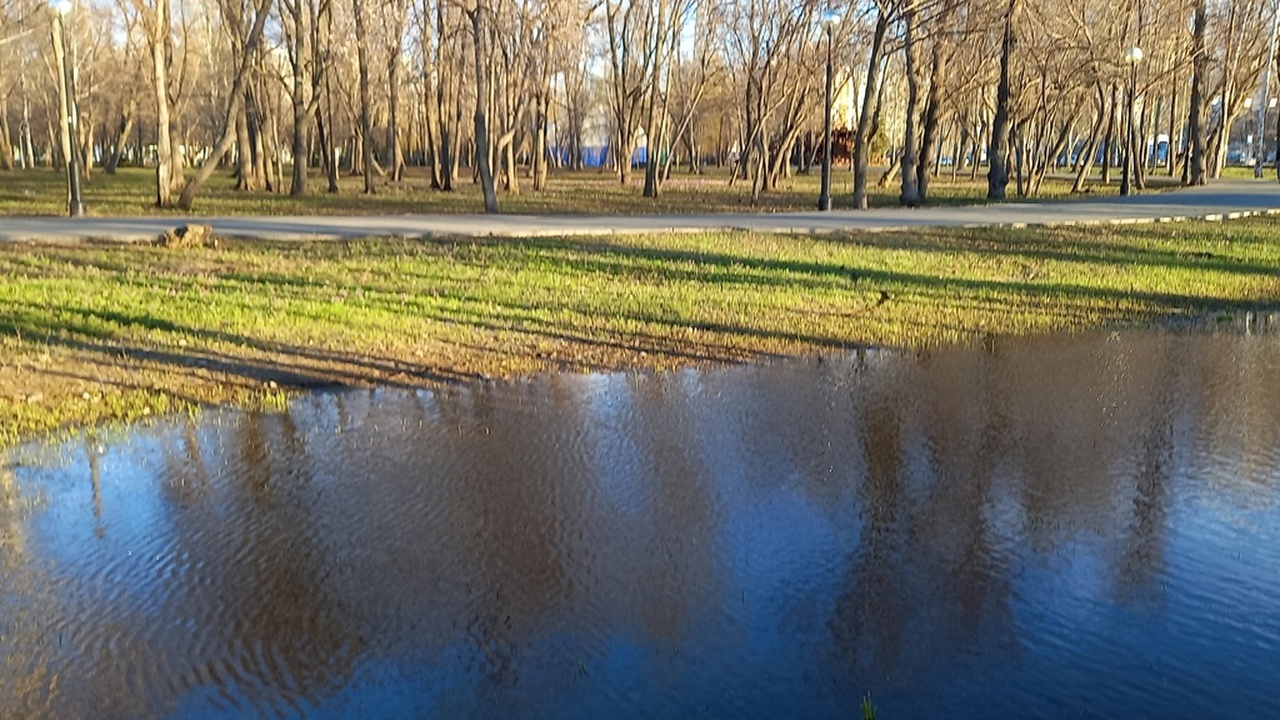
pixel 1222 199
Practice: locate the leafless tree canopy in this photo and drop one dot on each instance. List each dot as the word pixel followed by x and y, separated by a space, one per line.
pixel 505 92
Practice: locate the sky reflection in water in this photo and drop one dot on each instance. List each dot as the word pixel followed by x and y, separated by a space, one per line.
pixel 1082 527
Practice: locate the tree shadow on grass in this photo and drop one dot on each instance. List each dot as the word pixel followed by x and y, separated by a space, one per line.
pixel 281 363
pixel 1059 248
pixel 758 271
pixel 111 336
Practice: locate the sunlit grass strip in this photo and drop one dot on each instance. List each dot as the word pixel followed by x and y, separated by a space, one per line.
pixel 95 333
pixel 131 192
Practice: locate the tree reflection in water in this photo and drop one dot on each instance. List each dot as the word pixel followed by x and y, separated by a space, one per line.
pixel 962 531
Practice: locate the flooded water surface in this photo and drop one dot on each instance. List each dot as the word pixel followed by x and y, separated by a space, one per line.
pixel 1060 527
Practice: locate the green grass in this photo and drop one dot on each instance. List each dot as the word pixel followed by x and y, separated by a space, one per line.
pixel 100 332
pixel 1240 172
pixel 131 192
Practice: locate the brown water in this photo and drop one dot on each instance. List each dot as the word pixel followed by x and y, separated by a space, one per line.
pixel 1063 527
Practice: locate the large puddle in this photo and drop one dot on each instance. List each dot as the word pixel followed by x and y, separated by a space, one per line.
pixel 1060 527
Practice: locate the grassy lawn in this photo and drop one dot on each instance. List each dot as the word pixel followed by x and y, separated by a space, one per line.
pixel 102 332
pixel 130 192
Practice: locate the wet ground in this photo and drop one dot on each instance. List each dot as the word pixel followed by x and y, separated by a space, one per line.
pixel 1056 527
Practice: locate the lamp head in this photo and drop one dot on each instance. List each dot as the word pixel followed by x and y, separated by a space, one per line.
pixel 830 18
pixel 1133 55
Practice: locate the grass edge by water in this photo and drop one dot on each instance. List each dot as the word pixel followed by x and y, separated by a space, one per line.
pixel 564 305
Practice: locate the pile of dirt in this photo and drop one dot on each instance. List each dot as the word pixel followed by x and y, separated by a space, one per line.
pixel 189 236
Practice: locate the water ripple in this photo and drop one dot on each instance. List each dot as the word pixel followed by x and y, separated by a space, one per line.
pixel 1039 528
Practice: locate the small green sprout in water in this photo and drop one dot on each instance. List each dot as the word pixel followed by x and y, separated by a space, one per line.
pixel 868 710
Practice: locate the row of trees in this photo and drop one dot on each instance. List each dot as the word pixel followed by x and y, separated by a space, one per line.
pixel 502 90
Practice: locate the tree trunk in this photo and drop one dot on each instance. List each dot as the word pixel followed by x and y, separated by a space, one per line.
pixel 6 137
pixel 870 101
pixel 431 72
pixel 1196 125
pixel 366 122
pixel 1110 137
pixel 1019 152
pixel 448 109
pixel 395 152
pixel 1140 151
pixel 235 98
pixel 177 165
pixel 159 66
pixel 1049 160
pixel 1171 152
pixel 929 136
pixel 1091 147
pixel 997 173
pixel 328 158
pixel 540 139
pixel 911 149
pixel 483 158
pixel 126 128
pixel 28 142
pixel 653 128
pixel 60 61
pixel 245 180
pixel 998 150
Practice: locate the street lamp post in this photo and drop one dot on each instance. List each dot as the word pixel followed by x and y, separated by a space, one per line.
pixel 1132 56
pixel 75 205
pixel 830 19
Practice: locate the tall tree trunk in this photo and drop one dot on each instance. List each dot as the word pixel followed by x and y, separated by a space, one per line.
pixel 929 136
pixel 304 38
pixel 653 129
pixel 482 159
pixel 159 67
pixel 326 128
pixel 911 149
pixel 1221 139
pixel 998 150
pixel 1196 125
pixel 366 122
pixel 60 60
pixel 870 95
pixel 395 152
pixel 431 72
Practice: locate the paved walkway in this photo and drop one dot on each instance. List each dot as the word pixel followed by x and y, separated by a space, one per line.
pixel 1222 199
